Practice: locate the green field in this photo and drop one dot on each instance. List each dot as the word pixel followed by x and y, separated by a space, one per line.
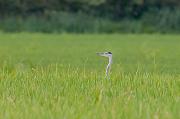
pixel 51 76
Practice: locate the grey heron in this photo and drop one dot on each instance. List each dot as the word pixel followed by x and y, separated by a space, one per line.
pixel 109 55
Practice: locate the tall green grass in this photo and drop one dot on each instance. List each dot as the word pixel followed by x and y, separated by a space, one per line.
pixel 60 76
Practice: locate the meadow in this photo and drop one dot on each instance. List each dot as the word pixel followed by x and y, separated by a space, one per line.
pixel 53 76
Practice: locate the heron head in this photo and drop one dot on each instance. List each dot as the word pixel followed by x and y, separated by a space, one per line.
pixel 105 54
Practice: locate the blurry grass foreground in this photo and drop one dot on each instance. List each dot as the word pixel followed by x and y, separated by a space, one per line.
pixel 56 76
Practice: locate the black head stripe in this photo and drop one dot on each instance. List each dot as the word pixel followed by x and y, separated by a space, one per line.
pixel 109 53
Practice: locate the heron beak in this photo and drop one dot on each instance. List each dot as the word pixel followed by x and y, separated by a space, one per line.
pixel 100 54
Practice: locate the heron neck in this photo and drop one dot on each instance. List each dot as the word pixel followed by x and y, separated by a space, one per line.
pixel 110 59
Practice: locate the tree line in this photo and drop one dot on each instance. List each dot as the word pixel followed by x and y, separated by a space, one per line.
pixel 109 8
pixel 90 16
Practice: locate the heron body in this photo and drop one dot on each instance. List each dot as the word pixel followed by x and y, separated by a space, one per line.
pixel 109 55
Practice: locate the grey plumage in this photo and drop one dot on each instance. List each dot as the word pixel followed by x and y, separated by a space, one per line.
pixel 109 55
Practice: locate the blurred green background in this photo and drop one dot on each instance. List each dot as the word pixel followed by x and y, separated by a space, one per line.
pixel 90 16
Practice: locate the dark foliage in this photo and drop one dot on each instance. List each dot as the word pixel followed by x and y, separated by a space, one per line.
pixel 90 15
